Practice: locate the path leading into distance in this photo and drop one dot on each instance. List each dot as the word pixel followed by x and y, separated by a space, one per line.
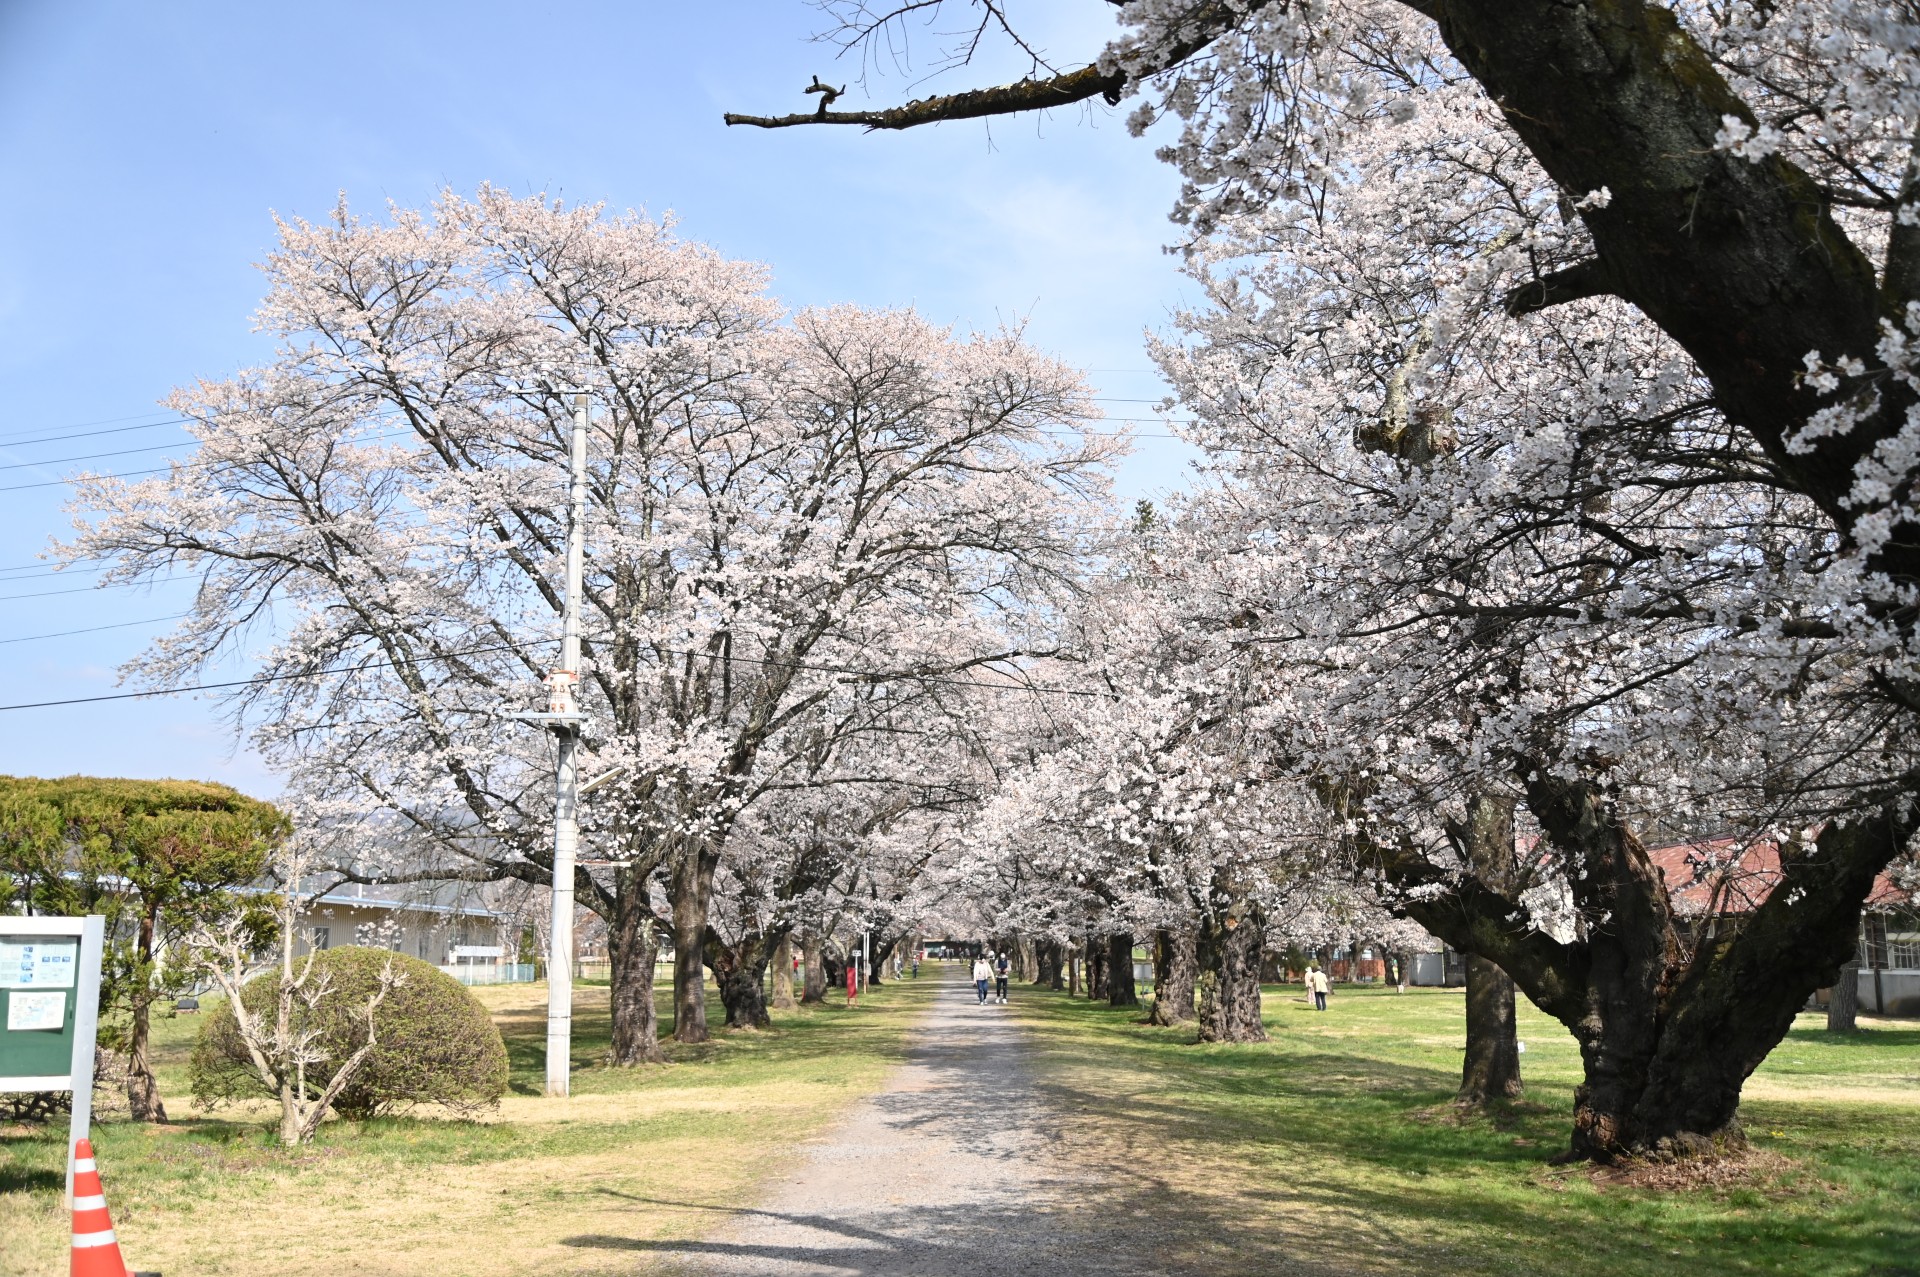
pixel 952 1170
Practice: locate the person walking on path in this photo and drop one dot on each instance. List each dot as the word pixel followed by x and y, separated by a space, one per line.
pixel 982 974
pixel 1001 970
pixel 1318 979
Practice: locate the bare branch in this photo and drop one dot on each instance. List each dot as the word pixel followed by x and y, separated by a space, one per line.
pixel 1006 99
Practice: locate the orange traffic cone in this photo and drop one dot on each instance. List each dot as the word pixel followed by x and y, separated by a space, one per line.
pixel 95 1252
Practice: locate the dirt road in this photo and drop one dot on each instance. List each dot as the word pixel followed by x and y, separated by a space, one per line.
pixel 953 1169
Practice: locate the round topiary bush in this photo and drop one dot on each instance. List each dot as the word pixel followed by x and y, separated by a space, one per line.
pixel 433 1043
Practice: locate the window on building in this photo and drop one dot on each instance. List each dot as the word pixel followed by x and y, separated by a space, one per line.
pixel 322 937
pixel 1903 943
pixel 424 943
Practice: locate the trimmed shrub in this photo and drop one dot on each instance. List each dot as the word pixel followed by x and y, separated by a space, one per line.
pixel 433 1043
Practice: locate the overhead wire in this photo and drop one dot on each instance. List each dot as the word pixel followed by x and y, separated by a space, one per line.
pixel 13 440
pixel 266 679
pixel 92 629
pixel 190 463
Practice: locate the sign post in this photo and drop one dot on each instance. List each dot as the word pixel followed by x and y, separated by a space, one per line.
pixel 50 1011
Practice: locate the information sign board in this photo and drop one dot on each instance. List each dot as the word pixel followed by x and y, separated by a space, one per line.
pixel 50 1010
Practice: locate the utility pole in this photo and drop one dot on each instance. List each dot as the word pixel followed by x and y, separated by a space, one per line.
pixel 565 718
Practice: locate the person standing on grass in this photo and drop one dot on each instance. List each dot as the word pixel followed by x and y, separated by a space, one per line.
pixel 982 973
pixel 1001 970
pixel 853 982
pixel 1320 987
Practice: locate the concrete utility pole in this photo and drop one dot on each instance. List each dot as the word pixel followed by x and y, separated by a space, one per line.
pixel 565 717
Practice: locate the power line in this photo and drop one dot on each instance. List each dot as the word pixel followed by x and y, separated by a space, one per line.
pixel 90 456
pixel 88 434
pixel 92 629
pixel 74 429
pixel 264 679
pixel 401 434
pixel 14 441
pixel 80 589
pixel 257 681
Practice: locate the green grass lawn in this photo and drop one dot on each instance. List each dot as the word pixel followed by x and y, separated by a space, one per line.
pixel 647 1152
pixel 1335 1145
pixel 1330 1150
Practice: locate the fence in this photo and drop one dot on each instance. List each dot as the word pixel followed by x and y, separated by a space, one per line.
pixel 490 972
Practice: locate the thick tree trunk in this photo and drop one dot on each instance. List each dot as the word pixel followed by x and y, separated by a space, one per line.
pixel 1229 988
pixel 1492 1068
pixel 692 893
pixel 882 954
pixel 1175 967
pixel 1073 973
pixel 783 974
pixel 833 969
pixel 633 948
pixel 1046 964
pixel 741 972
pixel 1120 987
pixel 1667 1036
pixel 1057 974
pixel 1843 1004
pixel 813 971
pixel 143 1090
pixel 1096 969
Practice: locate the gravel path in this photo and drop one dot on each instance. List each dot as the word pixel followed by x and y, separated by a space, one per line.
pixel 951 1170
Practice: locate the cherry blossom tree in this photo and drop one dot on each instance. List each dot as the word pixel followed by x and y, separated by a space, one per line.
pixel 1560 381
pixel 782 507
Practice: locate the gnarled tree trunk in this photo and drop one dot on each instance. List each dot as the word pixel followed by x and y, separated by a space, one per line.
pixel 1229 984
pixel 1175 967
pixel 633 948
pixel 740 969
pixel 1667 1036
pixel 1096 969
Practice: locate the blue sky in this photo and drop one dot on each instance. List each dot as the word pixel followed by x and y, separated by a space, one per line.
pixel 144 147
